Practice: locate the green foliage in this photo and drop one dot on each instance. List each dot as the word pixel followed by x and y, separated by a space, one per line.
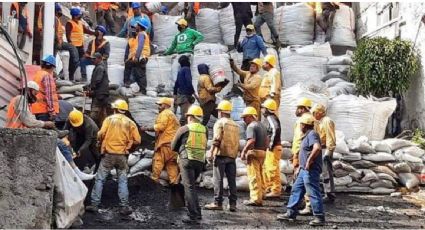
pixel 384 67
pixel 418 138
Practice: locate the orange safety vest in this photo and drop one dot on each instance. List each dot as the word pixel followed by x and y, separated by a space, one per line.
pixel 12 119
pixel 103 5
pixel 77 33
pixel 41 105
pixel 59 30
pixel 93 46
pixel 196 7
pixel 133 45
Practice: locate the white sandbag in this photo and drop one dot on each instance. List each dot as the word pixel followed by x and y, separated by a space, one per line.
pixel 343 166
pixel 342 181
pixel 142 165
pixel 334 74
pixel 416 167
pixel 78 102
pixel 414 151
pixel 117 52
pixel 401 167
pixel 358 184
pixel 351 156
pixel 337 156
pixel 209 49
pixel 71 89
pixel 207 23
pixel 369 175
pixel 242 184
pixel 70 190
pixel 286 167
pixel 240 163
pixel 148 153
pixel 60 83
pixel 382 184
pixel 288 104
pixel 363 164
pixel 383 191
pixel 343 27
pixel 379 157
pixel 133 158
pixel 227 25
pixel 333 81
pixel 358 116
pixel 143 109
pixel 356 175
pixel 384 176
pixel 130 91
pixel 340 173
pixel 286 154
pixel 380 146
pixel 409 180
pixel 241 172
pixel 353 189
pixel 341 146
pixel 158 74
pixel 154 7
pixel 338 68
pixel 207 182
pixel 295 24
pixel 340 60
pixel 315 50
pixel 165 29
pixel 116 74
pixel 384 169
pixel 65 96
pixel 360 145
pixel 401 156
pixel 396 144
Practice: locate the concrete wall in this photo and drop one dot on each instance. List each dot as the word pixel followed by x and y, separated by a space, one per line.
pixel 373 19
pixel 27 166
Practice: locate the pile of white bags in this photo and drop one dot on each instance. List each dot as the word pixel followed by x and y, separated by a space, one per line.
pixel 343 27
pixel 118 45
pixel 158 74
pixel 295 24
pixel 207 22
pixel 359 116
pixel 288 103
pixel 209 49
pixel 165 29
pixel 304 64
pixel 143 109
pixel 227 25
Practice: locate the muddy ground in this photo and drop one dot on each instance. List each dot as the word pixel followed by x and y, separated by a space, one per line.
pixel 149 202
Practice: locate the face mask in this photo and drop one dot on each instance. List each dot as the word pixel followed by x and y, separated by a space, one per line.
pixel 180 28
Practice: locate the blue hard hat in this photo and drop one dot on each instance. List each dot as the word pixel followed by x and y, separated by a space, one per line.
pixel 135 5
pixel 101 29
pixel 164 9
pixel 133 22
pixel 75 11
pixel 58 7
pixel 143 22
pixel 49 59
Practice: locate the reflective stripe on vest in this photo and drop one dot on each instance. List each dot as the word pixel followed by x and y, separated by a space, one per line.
pixel 196 143
pixel 77 33
pixel 12 119
pixel 93 46
pixel 41 106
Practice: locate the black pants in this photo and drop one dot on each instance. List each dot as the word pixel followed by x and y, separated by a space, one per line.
pixel 190 171
pixel 239 22
pixel 224 165
pixel 74 58
pixel 209 109
pixel 245 64
pixel 103 16
pixel 138 69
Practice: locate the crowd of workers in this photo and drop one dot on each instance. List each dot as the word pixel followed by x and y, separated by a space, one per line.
pixel 181 143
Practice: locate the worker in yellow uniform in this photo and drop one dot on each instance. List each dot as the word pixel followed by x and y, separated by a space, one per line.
pixel 271 168
pixel 326 131
pixel 166 125
pixel 254 153
pixel 271 83
pixel 251 82
pixel 117 135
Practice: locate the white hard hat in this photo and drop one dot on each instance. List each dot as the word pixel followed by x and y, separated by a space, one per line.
pixel 33 85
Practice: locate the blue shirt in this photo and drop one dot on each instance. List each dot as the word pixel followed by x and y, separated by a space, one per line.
pixel 252 46
pixel 307 143
pixel 183 85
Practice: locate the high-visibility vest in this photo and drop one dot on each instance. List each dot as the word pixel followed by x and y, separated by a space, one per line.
pixel 132 46
pixel 146 52
pixel 94 48
pixel 12 119
pixel 102 5
pixel 59 30
pixel 77 33
pixel 196 144
pixel 41 105
pixel 196 7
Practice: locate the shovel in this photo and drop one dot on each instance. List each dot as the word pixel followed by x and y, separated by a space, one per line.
pixel 177 196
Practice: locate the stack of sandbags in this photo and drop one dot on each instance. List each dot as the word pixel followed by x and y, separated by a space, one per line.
pixel 207 22
pixel 204 48
pixel 360 116
pixel 158 74
pixel 118 45
pixel 165 29
pixel 227 25
pixel 336 78
pixel 288 104
pixel 143 109
pixel 343 27
pixel 295 24
pixel 140 162
pixel 304 64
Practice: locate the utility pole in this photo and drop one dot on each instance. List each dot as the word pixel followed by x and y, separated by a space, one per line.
pixel 48 27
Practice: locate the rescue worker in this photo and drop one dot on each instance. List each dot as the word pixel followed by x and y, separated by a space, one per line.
pixel 271 169
pixel 47 105
pixel 251 46
pixel 104 14
pixel 307 175
pixel 83 139
pixel 60 44
pixel 136 55
pixel 254 153
pixel 75 30
pixel 242 13
pixel 206 92
pixel 165 128
pixel 271 83
pixel 265 14
pixel 99 90
pixel 185 40
pixel 137 15
pixel 190 143
pixel 223 153
pixel 183 89
pixel 325 13
pixel 117 135
pixel 97 45
pixel 19 116
pixel 251 82
pixel 19 10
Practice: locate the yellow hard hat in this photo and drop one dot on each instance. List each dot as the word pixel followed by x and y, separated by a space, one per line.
pixel 258 62
pixel 249 111
pixel 318 108
pixel 307 119
pixel 270 104
pixel 304 102
pixel 271 59
pixel 76 118
pixel 165 100
pixel 225 106
pixel 195 110
pixel 182 22
pixel 250 27
pixel 120 104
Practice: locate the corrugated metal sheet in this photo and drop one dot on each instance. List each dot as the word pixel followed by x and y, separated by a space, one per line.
pixel 9 77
